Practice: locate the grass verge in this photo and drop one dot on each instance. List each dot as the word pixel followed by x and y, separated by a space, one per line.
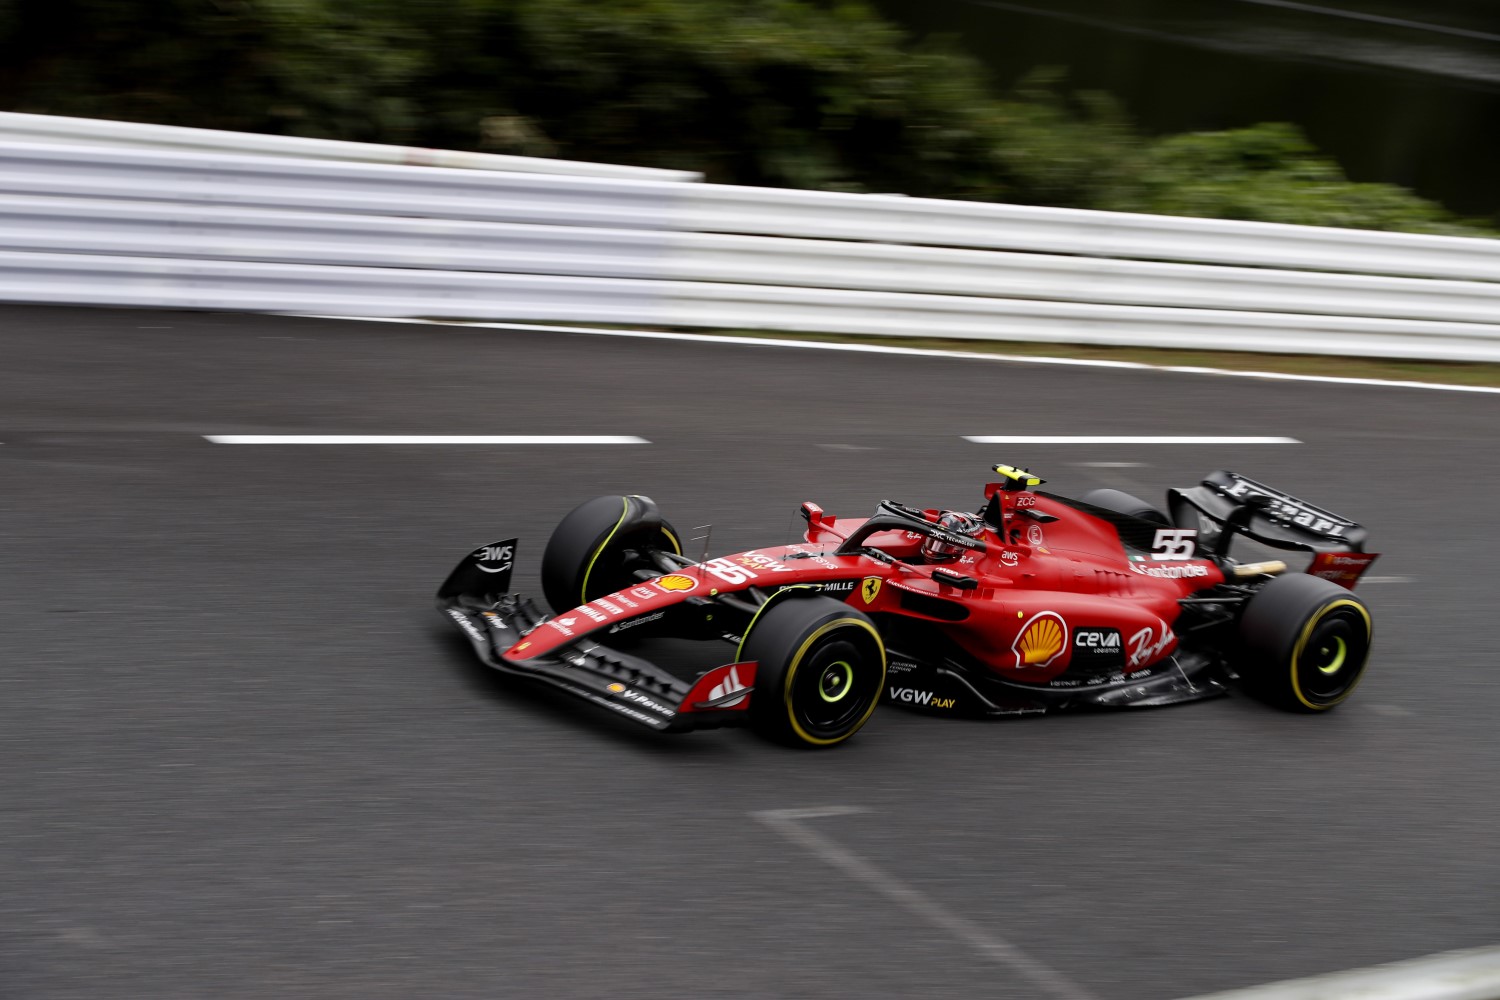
pixel 1328 365
pixel 1392 369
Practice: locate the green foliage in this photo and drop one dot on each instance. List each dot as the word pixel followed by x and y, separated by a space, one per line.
pixel 800 93
pixel 1270 173
pixel 317 67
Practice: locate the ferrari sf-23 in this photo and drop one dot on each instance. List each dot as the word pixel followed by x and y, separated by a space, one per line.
pixel 1033 603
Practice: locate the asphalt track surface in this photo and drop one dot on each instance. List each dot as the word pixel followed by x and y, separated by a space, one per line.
pixel 242 756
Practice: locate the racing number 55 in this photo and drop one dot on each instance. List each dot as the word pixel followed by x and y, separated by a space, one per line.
pixel 1174 543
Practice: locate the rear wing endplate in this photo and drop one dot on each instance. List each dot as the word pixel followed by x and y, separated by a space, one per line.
pixel 1278 519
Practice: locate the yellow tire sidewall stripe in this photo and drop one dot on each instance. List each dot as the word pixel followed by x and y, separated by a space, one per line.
pixel 1307 631
pixel 583 596
pixel 739 650
pixel 791 675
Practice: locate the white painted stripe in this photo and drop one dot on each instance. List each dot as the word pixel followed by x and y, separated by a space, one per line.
pixel 1122 439
pixel 1453 975
pixel 424 439
pixel 996 949
pixel 925 352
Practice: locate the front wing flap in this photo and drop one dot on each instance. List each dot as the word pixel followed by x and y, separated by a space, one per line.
pixel 626 685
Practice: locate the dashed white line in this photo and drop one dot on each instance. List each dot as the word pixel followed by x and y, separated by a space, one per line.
pixel 787 822
pixel 1123 439
pixel 425 439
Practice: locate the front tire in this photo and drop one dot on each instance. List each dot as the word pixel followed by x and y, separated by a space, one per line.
pixel 598 547
pixel 1306 643
pixel 821 670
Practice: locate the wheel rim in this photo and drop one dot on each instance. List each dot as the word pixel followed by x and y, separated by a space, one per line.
pixel 837 681
pixel 836 684
pixel 1330 661
pixel 1335 653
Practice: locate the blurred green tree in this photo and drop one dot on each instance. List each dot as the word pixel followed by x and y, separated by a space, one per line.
pixel 301 67
pixel 1269 173
pixel 796 93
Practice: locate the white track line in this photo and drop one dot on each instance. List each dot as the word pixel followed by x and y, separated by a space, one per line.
pixel 787 823
pixel 1473 974
pixel 1122 439
pixel 925 352
pixel 1453 975
pixel 424 439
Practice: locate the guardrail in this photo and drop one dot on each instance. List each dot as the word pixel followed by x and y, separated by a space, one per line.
pixel 925 221
pixel 186 181
pixel 217 230
pixel 104 228
pixel 366 291
pixel 16 127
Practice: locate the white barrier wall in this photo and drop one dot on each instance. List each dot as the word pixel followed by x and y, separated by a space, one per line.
pixel 55 129
pixel 127 226
pixel 894 219
pixel 107 228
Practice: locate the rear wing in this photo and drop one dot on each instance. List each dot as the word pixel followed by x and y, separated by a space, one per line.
pixel 1266 514
pixel 1226 504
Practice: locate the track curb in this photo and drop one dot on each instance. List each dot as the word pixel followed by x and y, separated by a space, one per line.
pixel 1473 974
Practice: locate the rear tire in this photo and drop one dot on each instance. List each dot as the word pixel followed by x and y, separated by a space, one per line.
pixel 1306 643
pixel 1123 503
pixel 597 548
pixel 820 671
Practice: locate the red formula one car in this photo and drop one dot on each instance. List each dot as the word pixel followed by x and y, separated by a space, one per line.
pixel 1033 603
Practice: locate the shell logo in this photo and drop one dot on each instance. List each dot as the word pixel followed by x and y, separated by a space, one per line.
pixel 675 583
pixel 616 688
pixel 1041 641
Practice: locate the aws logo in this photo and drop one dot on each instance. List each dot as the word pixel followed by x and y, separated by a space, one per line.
pixel 1041 641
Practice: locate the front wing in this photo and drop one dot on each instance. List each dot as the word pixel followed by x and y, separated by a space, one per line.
pixel 624 684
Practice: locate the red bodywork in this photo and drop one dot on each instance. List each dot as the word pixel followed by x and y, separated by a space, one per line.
pixel 1046 592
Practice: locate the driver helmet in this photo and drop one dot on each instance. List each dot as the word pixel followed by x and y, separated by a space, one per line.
pixel 934 549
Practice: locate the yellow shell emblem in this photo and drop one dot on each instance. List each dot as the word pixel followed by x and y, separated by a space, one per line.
pixel 675 582
pixel 1041 641
pixel 616 688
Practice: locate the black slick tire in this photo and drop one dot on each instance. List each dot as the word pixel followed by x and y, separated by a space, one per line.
pixel 1306 642
pixel 596 549
pixel 1123 503
pixel 820 670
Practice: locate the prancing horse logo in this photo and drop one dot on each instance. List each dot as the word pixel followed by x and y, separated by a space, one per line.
pixel 869 589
